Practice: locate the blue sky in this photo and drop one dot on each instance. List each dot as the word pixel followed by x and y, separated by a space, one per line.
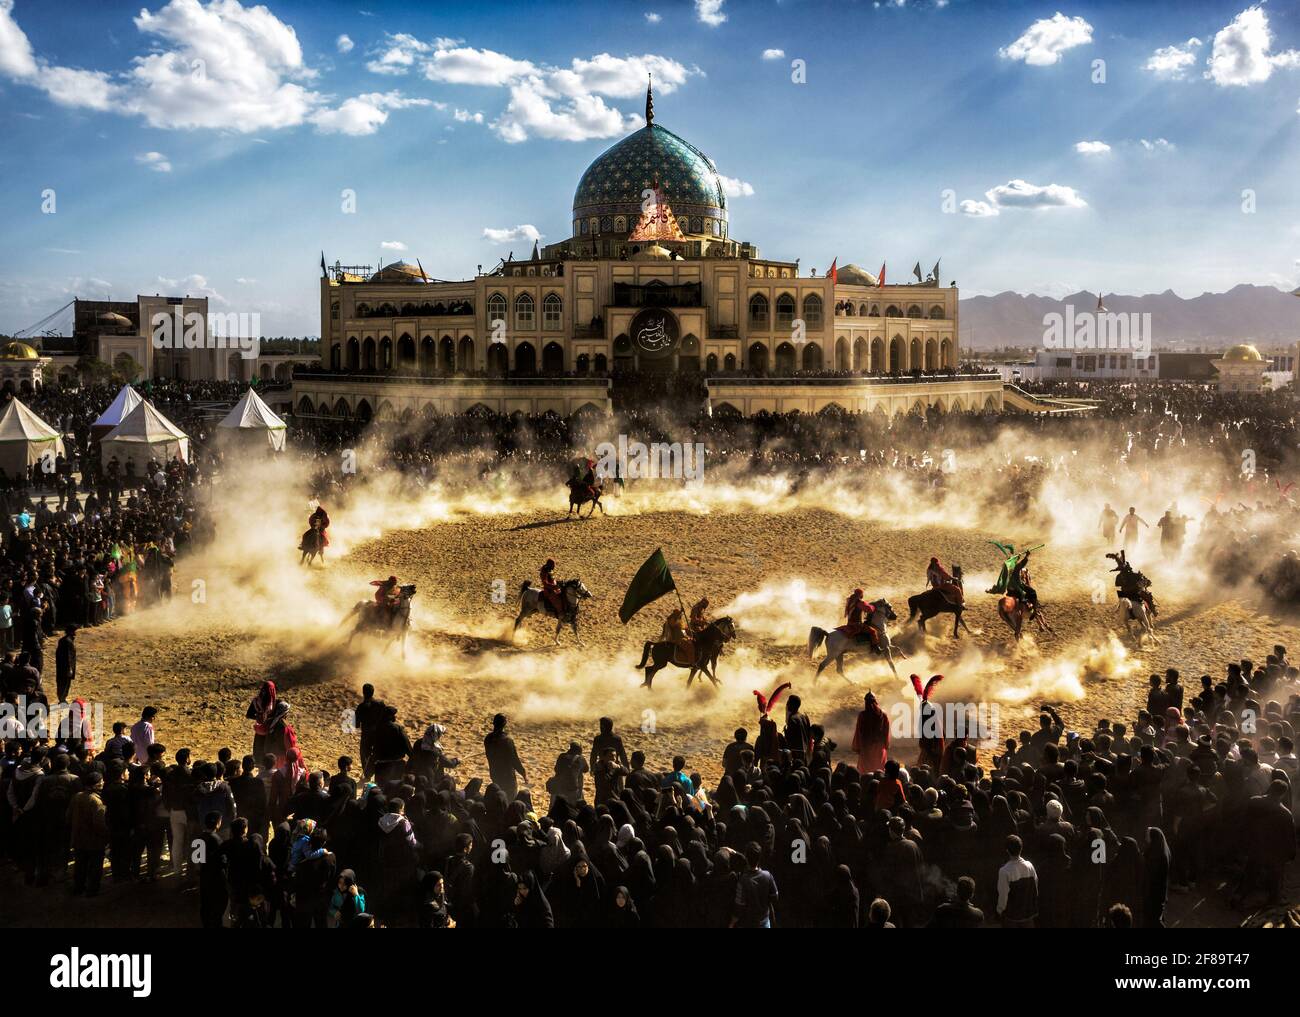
pixel 204 147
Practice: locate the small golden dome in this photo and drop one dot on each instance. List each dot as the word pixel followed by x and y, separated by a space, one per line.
pixel 1242 353
pixel 18 351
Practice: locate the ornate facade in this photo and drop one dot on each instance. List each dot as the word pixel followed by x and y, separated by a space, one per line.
pixel 650 279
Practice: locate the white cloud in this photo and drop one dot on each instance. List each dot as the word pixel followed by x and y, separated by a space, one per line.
pixel 466 117
pixel 1021 194
pixel 362 114
pixel 530 113
pixel 193 285
pixel 1241 51
pixel 1173 61
pixel 219 66
pixel 245 281
pixel 1046 39
pixel 1158 145
pixel 504 236
pixel 344 44
pixel 618 77
pixel 978 209
pixel 734 188
pixel 156 161
pixel 464 65
pixel 710 12
pixel 653 18
pixel 773 54
pixel 392 245
pixel 1091 147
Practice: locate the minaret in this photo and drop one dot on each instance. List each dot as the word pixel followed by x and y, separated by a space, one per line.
pixel 649 100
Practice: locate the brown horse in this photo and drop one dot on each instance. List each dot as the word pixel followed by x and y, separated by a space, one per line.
pixel 1015 612
pixel 655 656
pixel 580 493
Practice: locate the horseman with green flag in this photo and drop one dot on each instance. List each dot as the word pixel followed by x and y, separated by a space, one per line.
pixel 1009 566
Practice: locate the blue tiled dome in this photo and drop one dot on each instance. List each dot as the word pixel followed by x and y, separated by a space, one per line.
pixel 687 179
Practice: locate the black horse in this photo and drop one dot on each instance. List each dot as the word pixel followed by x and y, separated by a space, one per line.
pixel 580 492
pixel 935 602
pixel 388 626
pixel 655 656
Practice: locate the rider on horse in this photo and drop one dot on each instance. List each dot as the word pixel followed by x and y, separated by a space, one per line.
pixel 937 576
pixel 320 519
pixel 551 589
pixel 855 611
pixel 699 616
pixel 1020 586
pixel 1131 584
pixel 388 595
pixel 676 632
pixel 584 475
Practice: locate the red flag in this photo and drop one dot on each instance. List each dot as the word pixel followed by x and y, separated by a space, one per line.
pixel 833 273
pixel 880 281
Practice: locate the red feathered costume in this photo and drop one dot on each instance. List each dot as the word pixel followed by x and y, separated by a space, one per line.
pixel 929 736
pixel 871 737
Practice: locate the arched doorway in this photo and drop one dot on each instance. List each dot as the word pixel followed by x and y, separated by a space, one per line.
pixel 553 359
pixel 406 354
pixel 465 355
pixel 812 357
pixel 525 359
pixel 354 354
pixel 785 360
pixel 841 354
pixel 931 355
pixel 428 359
pixel 368 354
pixel 896 355
pixel 498 360
pixel 447 355
pixel 758 358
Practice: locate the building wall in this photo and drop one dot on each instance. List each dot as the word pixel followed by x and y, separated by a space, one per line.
pixel 889 340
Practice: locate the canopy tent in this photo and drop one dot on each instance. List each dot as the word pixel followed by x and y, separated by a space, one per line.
pixel 24 439
pixel 143 434
pixel 254 422
pixel 123 403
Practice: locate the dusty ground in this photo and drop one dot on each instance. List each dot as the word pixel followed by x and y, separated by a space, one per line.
pixel 775 573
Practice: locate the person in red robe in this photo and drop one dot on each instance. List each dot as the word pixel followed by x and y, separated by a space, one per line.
pixel 871 736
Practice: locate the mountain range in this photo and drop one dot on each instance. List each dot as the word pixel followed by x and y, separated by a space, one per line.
pixel 1244 314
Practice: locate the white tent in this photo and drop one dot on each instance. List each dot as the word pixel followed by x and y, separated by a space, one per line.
pixel 255 422
pixel 24 438
pixel 123 403
pixel 144 434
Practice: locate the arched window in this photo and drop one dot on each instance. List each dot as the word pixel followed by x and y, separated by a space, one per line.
pixel 812 310
pixel 551 312
pixel 729 362
pixel 784 311
pixel 812 357
pixel 758 311
pixel 524 311
pixel 785 360
pixel 758 358
pixel 915 311
pixel 711 363
pixel 496 308
pixel 892 311
pixel 937 312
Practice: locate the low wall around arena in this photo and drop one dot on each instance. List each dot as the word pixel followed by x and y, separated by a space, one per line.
pixel 383 397
pixel 890 396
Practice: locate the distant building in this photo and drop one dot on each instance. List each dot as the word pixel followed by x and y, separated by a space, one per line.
pixel 1241 369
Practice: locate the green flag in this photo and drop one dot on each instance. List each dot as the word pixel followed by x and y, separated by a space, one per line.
pixel 652 581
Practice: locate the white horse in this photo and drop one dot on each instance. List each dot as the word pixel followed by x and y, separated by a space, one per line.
pixel 531 601
pixel 838 644
pixel 1129 611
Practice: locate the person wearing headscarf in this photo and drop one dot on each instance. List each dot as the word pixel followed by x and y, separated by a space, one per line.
pixel 259 712
pixel 1155 879
pixel 623 913
pixel 871 736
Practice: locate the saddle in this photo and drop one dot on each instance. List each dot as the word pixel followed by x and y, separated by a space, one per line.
pixel 867 636
pixel 952 593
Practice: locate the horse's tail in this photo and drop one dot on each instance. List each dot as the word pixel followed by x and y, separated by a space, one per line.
pixel 645 653
pixel 913 606
pixel 524 587
pixel 815 638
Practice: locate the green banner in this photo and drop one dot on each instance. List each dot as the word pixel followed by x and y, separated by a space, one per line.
pixel 652 581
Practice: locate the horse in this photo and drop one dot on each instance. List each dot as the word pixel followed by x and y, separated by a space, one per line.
pixel 1014 611
pixel 373 617
pixel 655 656
pixel 580 493
pixel 838 644
pixel 531 601
pixel 935 602
pixel 312 546
pixel 1136 611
